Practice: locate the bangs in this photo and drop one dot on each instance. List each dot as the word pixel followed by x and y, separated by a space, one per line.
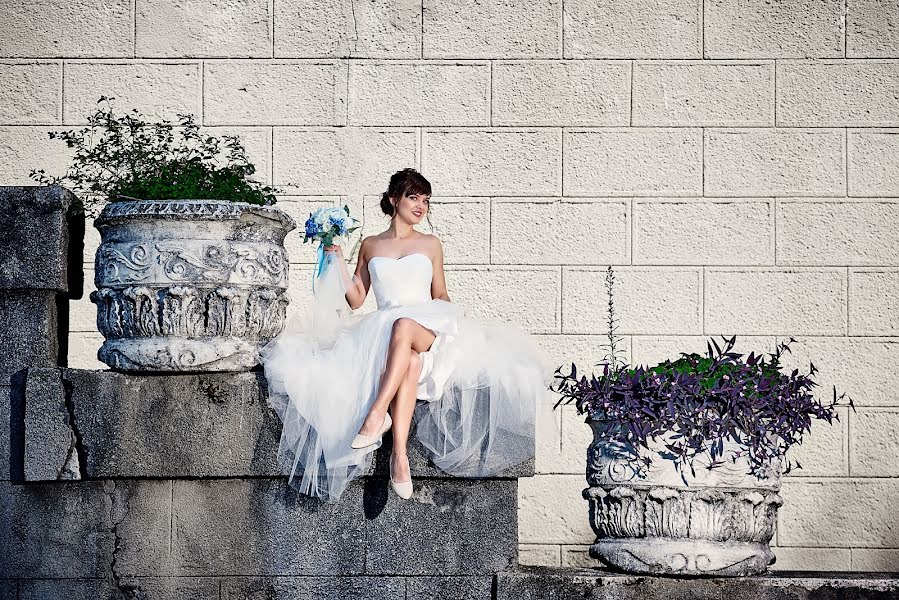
pixel 416 185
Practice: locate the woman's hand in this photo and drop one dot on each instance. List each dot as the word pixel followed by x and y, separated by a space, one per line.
pixel 335 249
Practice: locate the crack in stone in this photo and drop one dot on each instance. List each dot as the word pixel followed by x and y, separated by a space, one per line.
pixel 75 466
pixel 125 590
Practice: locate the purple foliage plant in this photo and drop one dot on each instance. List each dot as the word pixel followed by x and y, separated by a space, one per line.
pixel 695 403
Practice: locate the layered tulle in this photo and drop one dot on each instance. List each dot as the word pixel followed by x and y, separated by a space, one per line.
pixel 481 381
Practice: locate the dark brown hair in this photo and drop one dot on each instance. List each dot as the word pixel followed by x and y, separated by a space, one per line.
pixel 405 182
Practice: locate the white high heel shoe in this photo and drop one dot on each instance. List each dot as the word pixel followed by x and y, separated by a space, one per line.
pixel 403 489
pixel 361 441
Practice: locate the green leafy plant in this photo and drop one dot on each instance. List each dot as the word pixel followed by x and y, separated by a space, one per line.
pixel 123 157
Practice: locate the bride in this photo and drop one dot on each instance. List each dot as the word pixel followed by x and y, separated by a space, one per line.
pixel 340 380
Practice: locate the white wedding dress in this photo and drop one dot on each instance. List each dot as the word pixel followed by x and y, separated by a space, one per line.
pixel 479 386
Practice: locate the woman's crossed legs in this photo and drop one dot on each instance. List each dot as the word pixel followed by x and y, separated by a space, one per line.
pixel 399 387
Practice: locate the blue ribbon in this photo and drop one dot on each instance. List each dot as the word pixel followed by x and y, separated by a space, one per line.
pixel 316 272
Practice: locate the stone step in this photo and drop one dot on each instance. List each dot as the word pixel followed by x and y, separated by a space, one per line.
pixel 82 424
pixel 255 527
pixel 527 583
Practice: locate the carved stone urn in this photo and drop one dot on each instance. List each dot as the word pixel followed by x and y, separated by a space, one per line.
pixel 719 522
pixel 189 285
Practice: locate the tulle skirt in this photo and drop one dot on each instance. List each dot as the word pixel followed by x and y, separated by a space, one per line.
pixel 479 386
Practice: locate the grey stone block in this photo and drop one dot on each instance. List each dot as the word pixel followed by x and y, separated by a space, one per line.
pixel 144 588
pixel 320 588
pixel 29 328
pixel 70 589
pixel 12 423
pixel 143 527
pixel 8 590
pixel 449 588
pixel 48 530
pixel 209 425
pixel 528 583
pixel 51 451
pixel 262 527
pixel 200 425
pixel 471 529
pixel 35 238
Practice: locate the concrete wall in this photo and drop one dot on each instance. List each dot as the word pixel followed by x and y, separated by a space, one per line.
pixel 736 161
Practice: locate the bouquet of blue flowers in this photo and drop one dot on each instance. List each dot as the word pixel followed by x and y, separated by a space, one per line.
pixel 324 225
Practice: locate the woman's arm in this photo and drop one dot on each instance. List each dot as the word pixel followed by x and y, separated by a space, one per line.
pixel 438 282
pixel 357 286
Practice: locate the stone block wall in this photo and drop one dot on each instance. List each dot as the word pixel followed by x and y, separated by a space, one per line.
pixel 735 161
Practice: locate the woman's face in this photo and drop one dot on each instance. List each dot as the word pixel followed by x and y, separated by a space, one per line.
pixel 413 207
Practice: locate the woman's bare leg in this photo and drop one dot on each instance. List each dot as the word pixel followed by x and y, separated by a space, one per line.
pixel 401 410
pixel 406 334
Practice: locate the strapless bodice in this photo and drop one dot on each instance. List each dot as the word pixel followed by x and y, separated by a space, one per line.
pixel 401 281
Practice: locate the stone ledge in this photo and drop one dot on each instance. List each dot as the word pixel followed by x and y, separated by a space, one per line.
pixel 166 426
pixel 255 528
pixel 253 588
pixel 41 239
pixel 526 583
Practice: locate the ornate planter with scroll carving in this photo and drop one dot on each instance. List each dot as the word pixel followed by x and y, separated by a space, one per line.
pixel 189 285
pixel 719 524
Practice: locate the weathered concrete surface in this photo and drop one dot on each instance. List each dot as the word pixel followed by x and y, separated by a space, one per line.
pixel 56 530
pixel 357 588
pixel 8 590
pixel 29 329
pixel 51 448
pixel 527 583
pixel 449 588
pixel 256 527
pixel 41 244
pixel 200 425
pixel 145 588
pixel 36 232
pixel 252 588
pixel 215 425
pixel 472 529
pixel 12 424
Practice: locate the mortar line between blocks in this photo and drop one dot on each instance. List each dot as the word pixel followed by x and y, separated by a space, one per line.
pixel 845 28
pixel 848 440
pixel 134 29
pixel 776 209
pixel 631 115
pixel 562 27
pixel 490 231
pixel 846 329
pixel 775 93
pixel 702 300
pixel 702 27
pixel 62 90
pixel 561 303
pixel 272 30
pixel 846 159
pixel 202 92
pixel 171 517
pixel 631 244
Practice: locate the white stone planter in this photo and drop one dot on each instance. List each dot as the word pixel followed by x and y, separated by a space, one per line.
pixel 189 285
pixel 719 524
